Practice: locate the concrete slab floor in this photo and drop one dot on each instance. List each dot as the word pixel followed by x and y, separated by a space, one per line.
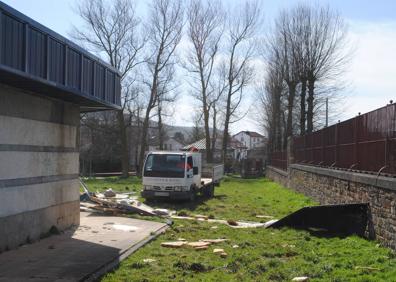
pixel 82 254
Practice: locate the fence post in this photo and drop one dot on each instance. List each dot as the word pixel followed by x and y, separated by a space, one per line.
pixel 336 144
pixel 323 146
pixel 355 144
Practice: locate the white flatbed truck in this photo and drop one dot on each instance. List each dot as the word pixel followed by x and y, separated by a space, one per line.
pixel 179 176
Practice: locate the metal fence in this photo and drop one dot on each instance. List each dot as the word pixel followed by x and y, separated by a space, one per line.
pixel 279 160
pixel 365 143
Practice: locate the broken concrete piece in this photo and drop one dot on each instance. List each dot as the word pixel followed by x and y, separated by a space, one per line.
pixel 181 239
pixel 235 246
pixel 214 241
pixel 109 193
pixel 149 260
pixel 301 279
pixel 214 227
pixel 177 244
pixel 218 251
pixel 223 254
pixel 198 244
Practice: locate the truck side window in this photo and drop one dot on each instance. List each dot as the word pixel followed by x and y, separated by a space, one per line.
pixel 190 163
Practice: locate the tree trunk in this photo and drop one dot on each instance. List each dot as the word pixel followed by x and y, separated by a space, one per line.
pixel 160 129
pixel 124 144
pixel 209 155
pixel 302 106
pixel 290 104
pixel 214 132
pixel 278 120
pixel 226 129
pixel 143 146
pixel 310 102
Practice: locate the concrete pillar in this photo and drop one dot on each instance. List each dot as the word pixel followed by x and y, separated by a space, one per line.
pixel 39 165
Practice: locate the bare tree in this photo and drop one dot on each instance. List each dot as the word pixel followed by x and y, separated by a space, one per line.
pixel 205 19
pixel 281 54
pixel 164 29
pixel 111 30
pixel 325 48
pixel 241 27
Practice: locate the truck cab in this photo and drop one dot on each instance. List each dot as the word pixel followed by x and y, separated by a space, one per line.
pixel 177 175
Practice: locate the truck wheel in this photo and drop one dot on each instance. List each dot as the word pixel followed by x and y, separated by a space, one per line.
pixel 193 195
pixel 209 191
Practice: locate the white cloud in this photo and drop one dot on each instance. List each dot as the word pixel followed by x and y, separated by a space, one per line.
pixel 373 68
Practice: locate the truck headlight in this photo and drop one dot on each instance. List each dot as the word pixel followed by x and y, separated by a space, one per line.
pixel 148 187
pixel 178 188
pixel 185 188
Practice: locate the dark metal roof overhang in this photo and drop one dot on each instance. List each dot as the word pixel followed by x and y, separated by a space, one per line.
pixel 34 58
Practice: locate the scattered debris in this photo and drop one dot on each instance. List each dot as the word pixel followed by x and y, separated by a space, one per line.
pixel 232 222
pixel 115 203
pixel 109 193
pixel 214 241
pixel 163 212
pixel 235 246
pixel 214 227
pixel 198 244
pixel 367 268
pixel 264 216
pixel 301 279
pixel 149 260
pixel 177 244
pixel 200 216
pixel 223 254
pixel 202 244
pixel 218 251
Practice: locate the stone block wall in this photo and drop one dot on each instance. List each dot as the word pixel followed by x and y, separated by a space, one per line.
pixel 39 165
pixel 328 186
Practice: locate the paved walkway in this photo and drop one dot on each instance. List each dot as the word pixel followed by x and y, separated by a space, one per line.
pixel 97 246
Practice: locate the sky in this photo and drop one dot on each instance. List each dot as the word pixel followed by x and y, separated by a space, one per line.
pixel 371 75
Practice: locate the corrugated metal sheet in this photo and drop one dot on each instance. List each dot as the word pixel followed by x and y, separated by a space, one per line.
pixel 38 59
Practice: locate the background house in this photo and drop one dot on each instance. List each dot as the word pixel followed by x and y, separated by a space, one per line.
pixel 251 139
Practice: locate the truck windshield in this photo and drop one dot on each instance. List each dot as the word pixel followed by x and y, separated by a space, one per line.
pixel 165 166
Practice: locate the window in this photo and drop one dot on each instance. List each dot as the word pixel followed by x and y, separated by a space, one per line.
pixel 160 165
pixel 190 163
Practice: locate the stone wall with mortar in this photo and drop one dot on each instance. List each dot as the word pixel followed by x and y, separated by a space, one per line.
pixel 39 185
pixel 329 186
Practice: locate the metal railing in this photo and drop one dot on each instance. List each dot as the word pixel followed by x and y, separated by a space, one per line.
pixel 365 143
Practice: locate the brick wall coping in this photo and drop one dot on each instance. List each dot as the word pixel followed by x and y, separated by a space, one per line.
pixel 374 180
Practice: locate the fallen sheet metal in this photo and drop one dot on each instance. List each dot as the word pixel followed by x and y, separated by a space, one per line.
pixel 345 219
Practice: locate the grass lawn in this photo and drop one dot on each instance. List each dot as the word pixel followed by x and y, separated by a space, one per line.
pixel 262 255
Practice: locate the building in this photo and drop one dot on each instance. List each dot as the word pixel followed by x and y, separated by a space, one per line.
pixel 251 139
pixel 235 151
pixel 46 81
pixel 170 144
